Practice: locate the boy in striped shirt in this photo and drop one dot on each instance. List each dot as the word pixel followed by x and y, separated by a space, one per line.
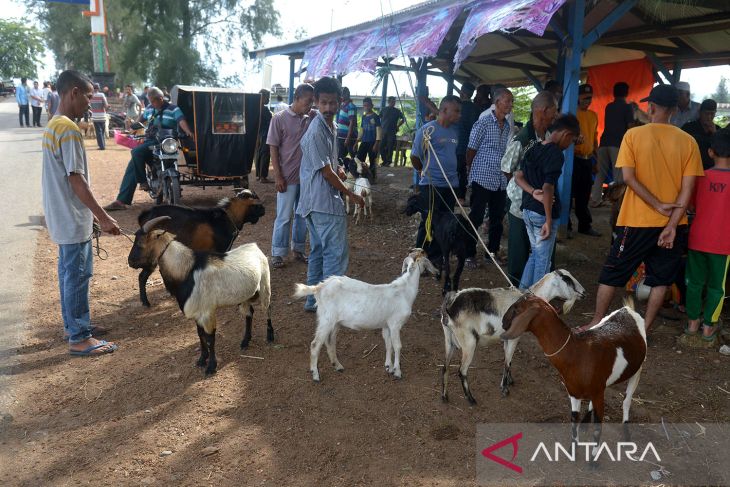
pixel 70 209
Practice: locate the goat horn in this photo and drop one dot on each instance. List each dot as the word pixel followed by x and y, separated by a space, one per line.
pixel 151 224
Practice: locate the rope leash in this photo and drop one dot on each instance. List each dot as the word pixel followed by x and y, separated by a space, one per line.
pixel 100 251
pixel 427 132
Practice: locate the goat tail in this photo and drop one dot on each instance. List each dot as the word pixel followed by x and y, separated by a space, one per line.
pixel 448 300
pixel 302 290
pixel 629 303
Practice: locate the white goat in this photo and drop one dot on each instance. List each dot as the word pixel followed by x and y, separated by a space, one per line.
pixel 362 188
pixel 342 301
pixel 202 282
pixel 474 315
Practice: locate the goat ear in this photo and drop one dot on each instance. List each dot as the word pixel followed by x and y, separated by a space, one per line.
pixel 516 324
pixel 407 263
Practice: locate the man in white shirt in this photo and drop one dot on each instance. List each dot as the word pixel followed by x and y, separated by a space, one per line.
pixel 36 103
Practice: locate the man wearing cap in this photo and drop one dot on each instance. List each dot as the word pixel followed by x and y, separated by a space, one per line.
pixel 659 163
pixel 703 129
pixel 582 164
pixel 687 110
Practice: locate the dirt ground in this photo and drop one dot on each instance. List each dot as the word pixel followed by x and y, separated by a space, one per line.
pixel 261 420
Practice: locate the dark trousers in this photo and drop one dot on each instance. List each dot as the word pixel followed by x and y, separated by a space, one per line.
pixel 387 146
pixel 443 200
pixel 263 157
pixel 461 170
pixel 37 116
pixel 518 248
pixel 344 150
pixel 495 200
pixel 136 171
pixel 582 184
pixel 99 131
pixel 365 151
pixel 23 112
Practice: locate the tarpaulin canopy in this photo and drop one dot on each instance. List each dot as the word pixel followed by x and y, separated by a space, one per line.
pixel 422 35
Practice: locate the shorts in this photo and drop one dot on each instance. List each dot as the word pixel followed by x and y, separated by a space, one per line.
pixel 634 245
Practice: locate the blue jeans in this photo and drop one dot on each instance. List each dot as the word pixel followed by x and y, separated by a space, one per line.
pixel 99 131
pixel 542 250
pixel 135 173
pixel 286 205
pixel 75 268
pixel 328 253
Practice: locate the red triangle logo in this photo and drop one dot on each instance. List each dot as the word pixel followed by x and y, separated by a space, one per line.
pixel 512 440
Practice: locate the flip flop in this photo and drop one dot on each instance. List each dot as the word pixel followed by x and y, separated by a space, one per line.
pixel 690 333
pixel 301 257
pixel 713 335
pixel 277 262
pixel 89 351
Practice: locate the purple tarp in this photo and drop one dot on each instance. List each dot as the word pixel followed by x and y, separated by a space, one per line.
pixel 423 35
pixel 493 15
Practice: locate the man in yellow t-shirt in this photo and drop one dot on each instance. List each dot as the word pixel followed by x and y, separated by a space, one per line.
pixel 585 151
pixel 659 163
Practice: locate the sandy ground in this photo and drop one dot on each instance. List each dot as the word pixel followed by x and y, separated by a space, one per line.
pixel 261 420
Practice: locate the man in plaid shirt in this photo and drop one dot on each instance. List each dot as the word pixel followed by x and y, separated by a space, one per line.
pixel 487 144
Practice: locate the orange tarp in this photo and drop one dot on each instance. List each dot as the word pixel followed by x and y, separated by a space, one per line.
pixel 638 74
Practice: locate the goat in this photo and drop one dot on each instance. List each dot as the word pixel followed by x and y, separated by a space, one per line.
pixel 451 232
pixel 202 282
pixel 475 315
pixel 359 183
pixel 608 353
pixel 342 301
pixel 204 229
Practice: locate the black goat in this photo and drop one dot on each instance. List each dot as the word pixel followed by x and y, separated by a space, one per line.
pixel 451 233
pixel 203 229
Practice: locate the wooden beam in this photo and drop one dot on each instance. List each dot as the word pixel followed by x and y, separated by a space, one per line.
pixel 645 46
pixel 516 52
pixel 682 44
pixel 702 56
pixel 540 57
pixel 674 28
pixel 515 65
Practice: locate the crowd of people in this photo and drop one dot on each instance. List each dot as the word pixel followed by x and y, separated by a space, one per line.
pixel 506 170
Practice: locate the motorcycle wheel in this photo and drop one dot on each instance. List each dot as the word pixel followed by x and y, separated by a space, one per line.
pixel 171 191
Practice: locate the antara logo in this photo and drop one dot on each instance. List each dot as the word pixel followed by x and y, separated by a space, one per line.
pixel 624 450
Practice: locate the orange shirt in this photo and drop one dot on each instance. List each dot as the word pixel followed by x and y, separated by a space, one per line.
pixel 661 155
pixel 588 121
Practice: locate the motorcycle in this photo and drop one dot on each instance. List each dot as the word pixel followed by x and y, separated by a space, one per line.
pixel 163 177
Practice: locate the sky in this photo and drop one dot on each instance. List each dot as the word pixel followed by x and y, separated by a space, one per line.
pixel 301 18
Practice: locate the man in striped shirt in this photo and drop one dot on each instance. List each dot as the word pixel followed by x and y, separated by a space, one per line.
pixel 487 144
pixel 99 106
pixel 160 114
pixel 70 209
pixel 321 191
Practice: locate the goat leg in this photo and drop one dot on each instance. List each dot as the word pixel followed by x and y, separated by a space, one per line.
pixel 449 346
pixel 269 328
pixel 212 361
pixel 597 426
pixel 143 276
pixel 459 270
pixel 247 331
pixel 203 360
pixel 447 272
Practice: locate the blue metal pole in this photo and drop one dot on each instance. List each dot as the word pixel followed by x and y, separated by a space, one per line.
pixel 291 80
pixel 421 80
pixel 571 77
pixel 384 96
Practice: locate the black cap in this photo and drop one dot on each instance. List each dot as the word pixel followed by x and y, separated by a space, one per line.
pixel 663 95
pixel 585 89
pixel 708 105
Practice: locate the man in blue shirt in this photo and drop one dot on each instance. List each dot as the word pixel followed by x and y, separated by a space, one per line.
pixel 346 126
pixel 433 188
pixel 487 144
pixel 370 135
pixel 21 96
pixel 160 114
pixel 321 191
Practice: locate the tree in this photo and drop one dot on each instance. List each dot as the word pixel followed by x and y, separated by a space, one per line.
pixel 20 49
pixel 167 43
pixel 722 95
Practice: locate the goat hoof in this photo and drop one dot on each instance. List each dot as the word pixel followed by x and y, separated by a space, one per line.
pixel 269 336
pixel 397 375
pixel 146 304
pixel 471 400
pixel 201 362
pixel 444 398
pixel 339 368
pixel 210 372
pixel 244 344
pixel 505 392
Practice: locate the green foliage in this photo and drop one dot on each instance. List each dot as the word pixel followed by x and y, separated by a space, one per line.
pixel 20 49
pixel 721 95
pixel 523 96
pixel 166 43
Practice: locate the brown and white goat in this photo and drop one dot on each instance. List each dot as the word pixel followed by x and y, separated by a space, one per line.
pixel 205 229
pixel 202 282
pixel 474 316
pixel 610 352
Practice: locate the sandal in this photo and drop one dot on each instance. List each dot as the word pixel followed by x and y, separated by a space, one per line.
pixel 689 332
pixel 301 257
pixel 470 263
pixel 93 350
pixel 277 262
pixel 712 336
pixel 115 206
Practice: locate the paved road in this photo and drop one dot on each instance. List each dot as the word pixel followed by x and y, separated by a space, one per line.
pixel 20 220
